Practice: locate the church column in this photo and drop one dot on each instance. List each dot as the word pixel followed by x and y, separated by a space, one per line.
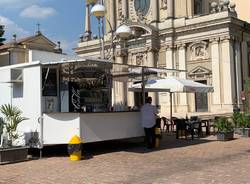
pixel 125 8
pixel 171 8
pixel 151 63
pixel 170 65
pixel 118 87
pixel 155 11
pixel 112 17
pixel 183 75
pixel 238 71
pixel 87 21
pixel 170 58
pixel 216 79
pixel 228 83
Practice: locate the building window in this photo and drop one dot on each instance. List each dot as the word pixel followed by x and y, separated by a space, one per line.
pixel 198 7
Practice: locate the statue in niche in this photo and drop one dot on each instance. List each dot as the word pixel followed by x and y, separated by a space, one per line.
pixel 199 50
pixel 140 57
pixel 164 4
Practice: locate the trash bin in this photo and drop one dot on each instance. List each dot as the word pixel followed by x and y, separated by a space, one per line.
pixel 75 148
pixel 158 132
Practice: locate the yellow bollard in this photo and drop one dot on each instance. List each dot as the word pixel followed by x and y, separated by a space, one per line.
pixel 74 148
pixel 157 137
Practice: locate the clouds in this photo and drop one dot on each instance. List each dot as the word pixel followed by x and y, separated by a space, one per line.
pixel 12 28
pixel 16 4
pixel 28 8
pixel 38 12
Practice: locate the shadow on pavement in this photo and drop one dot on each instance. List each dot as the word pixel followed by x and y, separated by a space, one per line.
pixel 135 145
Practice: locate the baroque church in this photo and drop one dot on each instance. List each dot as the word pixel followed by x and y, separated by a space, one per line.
pixel 203 37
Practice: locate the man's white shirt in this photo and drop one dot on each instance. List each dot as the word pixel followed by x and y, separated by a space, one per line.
pixel 148 113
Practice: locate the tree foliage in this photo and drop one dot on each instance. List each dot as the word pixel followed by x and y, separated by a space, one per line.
pixel 12 118
pixel 2 39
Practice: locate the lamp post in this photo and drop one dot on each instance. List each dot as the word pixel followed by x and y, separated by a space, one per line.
pixel 122 32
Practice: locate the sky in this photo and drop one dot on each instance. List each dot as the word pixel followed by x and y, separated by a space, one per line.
pixel 60 20
pixel 242 8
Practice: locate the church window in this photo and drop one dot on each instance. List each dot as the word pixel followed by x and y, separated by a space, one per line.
pixel 198 7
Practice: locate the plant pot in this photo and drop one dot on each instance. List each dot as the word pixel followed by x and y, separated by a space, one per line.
pixel 246 132
pixel 238 131
pixel 241 131
pixel 225 136
pixel 13 154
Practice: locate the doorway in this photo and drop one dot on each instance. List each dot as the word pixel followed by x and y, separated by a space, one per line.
pixel 201 100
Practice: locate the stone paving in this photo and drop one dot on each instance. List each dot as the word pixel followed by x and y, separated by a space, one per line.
pixel 202 161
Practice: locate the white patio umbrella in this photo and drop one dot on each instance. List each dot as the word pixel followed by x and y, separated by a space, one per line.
pixel 172 85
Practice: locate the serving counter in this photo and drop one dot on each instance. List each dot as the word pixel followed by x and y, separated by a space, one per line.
pixel 58 128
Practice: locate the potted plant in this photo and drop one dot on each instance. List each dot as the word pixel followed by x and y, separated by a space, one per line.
pixel 245 126
pixel 225 129
pixel 238 118
pixel 9 152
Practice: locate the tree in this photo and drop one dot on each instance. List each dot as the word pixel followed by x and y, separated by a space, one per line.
pixel 1 34
pixel 12 118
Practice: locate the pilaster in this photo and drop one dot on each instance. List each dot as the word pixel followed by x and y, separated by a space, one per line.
pixel 238 71
pixel 170 10
pixel 216 78
pixel 151 63
pixel 182 66
pixel 155 11
pixel 112 14
pixel 125 8
pixel 170 58
pixel 245 64
pixel 228 79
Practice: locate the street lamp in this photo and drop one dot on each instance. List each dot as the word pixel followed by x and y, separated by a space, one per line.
pixel 123 31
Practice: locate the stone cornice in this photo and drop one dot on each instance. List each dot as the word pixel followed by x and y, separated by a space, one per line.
pixel 181 46
pixel 214 40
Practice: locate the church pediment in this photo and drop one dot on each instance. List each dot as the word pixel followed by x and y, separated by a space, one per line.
pixel 40 40
pixel 199 71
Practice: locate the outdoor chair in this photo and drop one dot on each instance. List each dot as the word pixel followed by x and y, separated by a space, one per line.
pixel 181 128
pixel 194 126
pixel 166 123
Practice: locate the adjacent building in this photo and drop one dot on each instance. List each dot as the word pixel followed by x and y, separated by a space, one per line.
pixel 203 37
pixel 19 50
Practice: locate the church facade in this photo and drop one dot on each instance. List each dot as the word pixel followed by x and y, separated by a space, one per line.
pixel 203 37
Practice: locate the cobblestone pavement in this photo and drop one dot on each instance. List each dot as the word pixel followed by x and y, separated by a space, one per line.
pixel 128 162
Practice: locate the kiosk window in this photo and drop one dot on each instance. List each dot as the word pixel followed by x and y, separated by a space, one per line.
pixel 49 82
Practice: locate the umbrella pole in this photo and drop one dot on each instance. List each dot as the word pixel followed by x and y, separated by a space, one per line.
pixel 143 87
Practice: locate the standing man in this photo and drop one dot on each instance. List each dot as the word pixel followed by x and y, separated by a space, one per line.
pixel 148 120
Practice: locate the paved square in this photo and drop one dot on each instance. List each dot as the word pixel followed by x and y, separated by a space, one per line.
pixel 128 162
